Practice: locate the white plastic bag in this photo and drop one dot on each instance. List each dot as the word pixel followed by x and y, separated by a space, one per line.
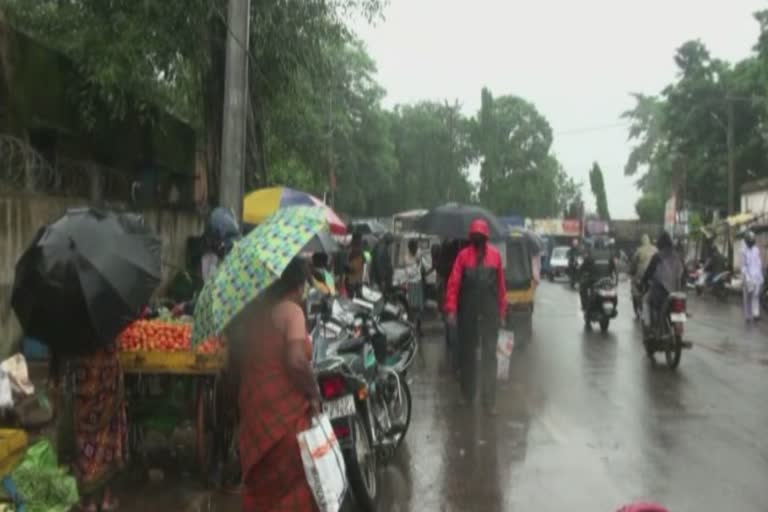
pixel 504 346
pixel 6 397
pixel 323 464
pixel 16 368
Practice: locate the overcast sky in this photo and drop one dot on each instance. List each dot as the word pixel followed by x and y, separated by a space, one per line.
pixel 576 60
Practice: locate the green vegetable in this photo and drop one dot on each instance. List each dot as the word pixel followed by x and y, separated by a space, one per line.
pixel 44 485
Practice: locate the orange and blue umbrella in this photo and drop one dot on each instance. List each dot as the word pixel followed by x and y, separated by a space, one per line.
pixel 260 204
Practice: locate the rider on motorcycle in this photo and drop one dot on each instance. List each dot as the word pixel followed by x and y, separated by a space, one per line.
pixel 641 260
pixel 665 274
pixel 598 263
pixel 573 256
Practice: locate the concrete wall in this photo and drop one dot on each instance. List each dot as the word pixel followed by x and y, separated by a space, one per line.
pixel 22 215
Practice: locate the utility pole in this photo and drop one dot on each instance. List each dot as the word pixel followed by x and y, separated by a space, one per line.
pixel 233 139
pixel 731 157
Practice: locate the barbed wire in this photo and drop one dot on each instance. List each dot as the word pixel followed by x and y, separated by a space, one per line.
pixel 23 168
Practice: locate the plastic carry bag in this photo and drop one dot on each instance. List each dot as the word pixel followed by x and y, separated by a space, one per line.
pixel 504 346
pixel 323 464
pixel 6 397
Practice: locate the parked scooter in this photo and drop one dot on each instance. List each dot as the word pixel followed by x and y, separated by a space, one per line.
pixel 603 302
pixel 717 286
pixel 665 333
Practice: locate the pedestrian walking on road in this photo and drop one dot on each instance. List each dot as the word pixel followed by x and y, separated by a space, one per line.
pixel 752 270
pixel 414 271
pixel 476 302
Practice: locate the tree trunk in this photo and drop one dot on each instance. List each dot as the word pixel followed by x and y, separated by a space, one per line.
pixel 213 105
pixel 256 167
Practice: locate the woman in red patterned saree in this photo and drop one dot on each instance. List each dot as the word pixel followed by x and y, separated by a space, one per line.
pixel 278 395
pixel 101 428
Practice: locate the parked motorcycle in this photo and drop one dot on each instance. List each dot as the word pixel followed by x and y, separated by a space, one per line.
pixel 603 301
pixel 666 331
pixel 717 286
pixel 360 366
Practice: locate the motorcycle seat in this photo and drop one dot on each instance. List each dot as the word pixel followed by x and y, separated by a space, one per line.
pixel 395 332
pixel 351 345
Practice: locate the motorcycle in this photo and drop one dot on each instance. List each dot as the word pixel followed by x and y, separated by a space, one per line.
pixel 717 286
pixel 666 331
pixel 693 275
pixel 360 373
pixel 603 302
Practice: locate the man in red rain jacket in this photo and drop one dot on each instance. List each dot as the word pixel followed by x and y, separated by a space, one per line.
pixel 475 301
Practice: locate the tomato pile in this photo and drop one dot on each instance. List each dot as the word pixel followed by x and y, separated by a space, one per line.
pixel 163 335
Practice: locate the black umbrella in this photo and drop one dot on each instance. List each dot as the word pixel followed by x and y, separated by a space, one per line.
pixel 322 242
pixel 84 278
pixel 452 221
pixel 533 242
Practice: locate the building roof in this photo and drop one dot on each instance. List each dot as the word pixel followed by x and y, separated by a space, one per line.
pixel 755 186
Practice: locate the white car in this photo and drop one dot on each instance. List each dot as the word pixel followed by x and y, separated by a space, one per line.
pixel 558 262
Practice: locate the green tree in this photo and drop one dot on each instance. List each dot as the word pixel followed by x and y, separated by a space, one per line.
pixel 433 147
pixel 597 184
pixel 172 52
pixel 650 209
pixel 518 171
pixel 681 134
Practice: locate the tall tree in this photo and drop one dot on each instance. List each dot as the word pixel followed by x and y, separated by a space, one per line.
pixel 597 184
pixel 518 171
pixel 172 52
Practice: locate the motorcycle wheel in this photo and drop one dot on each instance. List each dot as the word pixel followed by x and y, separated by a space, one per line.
pixel 764 299
pixel 401 412
pixel 361 468
pixel 674 350
pixel 604 322
pixel 637 305
pixel 551 277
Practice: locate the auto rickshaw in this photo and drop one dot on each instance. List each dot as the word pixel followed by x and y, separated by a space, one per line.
pixel 521 285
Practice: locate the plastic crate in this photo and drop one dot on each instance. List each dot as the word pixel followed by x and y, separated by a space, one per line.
pixel 13 444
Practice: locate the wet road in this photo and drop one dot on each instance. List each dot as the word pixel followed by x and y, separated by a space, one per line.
pixel 586 422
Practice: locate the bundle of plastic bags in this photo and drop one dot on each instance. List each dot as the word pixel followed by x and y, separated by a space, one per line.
pixel 42 484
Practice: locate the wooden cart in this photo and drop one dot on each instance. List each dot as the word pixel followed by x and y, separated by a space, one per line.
pixel 212 425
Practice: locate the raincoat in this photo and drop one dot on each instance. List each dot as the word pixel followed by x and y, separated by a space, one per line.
pixel 642 258
pixel 476 295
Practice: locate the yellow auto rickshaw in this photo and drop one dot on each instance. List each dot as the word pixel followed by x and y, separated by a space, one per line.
pixel 519 253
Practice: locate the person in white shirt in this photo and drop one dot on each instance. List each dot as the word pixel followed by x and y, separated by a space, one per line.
pixel 752 270
pixel 414 272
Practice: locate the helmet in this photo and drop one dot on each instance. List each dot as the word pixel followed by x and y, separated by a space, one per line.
pixel 479 227
pixel 222 230
pixel 749 236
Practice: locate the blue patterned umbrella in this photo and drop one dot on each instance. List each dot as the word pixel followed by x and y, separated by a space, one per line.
pixel 254 264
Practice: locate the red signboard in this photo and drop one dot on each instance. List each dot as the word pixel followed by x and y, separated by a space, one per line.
pixel 572 227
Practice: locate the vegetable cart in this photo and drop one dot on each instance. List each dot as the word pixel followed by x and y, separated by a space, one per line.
pixel 164 374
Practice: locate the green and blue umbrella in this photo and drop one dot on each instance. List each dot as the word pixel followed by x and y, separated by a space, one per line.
pixel 255 263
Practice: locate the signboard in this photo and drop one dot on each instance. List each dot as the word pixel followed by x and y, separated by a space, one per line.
pixel 572 227
pixel 669 215
pixel 597 227
pixel 557 227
